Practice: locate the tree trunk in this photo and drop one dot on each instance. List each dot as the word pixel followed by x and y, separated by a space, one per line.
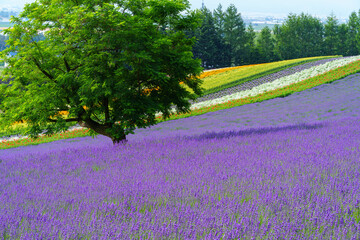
pixel 119 139
pixel 102 129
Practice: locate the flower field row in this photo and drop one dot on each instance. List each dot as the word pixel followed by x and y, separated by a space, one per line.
pixel 268 78
pixel 209 73
pixel 236 76
pixel 327 77
pixel 279 83
pixel 212 72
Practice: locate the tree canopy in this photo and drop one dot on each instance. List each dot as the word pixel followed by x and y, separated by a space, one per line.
pixel 109 65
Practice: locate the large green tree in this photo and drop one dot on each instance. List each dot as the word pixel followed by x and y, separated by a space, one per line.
pixel 110 64
pixel 219 19
pixel 209 46
pixel 352 39
pixel 234 34
pixel 224 57
pixel 251 52
pixel 343 32
pixel 331 36
pixel 299 36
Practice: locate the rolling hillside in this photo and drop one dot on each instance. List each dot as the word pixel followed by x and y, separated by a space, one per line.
pixel 287 167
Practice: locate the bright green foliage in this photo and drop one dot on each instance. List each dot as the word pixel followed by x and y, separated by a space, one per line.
pixel 110 64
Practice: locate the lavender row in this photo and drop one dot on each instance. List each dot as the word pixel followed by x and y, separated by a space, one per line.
pixel 268 78
pixel 291 182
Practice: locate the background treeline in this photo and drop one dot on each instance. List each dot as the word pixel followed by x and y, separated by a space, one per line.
pixel 224 40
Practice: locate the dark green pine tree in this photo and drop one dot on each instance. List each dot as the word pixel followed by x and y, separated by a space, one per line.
pixel 265 44
pixel 251 55
pixel 210 46
pixel 286 38
pixel 342 48
pixel 234 35
pixel 331 36
pixel 352 43
pixel 277 41
pixel 224 58
pixel 219 20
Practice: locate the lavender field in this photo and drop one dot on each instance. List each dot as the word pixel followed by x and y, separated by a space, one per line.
pixel 287 168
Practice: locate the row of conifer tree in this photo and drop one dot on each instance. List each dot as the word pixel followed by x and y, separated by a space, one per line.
pixel 224 40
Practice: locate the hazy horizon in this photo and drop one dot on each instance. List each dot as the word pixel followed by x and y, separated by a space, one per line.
pixel 318 8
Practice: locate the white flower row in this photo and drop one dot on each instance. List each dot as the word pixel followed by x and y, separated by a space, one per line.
pixel 278 83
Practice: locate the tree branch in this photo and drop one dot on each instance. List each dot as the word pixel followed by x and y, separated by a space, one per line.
pixel 73 69
pixel 67 65
pixel 96 117
pixel 42 70
pixel 107 112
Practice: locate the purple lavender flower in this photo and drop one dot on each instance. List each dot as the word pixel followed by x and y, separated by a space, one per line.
pixel 285 168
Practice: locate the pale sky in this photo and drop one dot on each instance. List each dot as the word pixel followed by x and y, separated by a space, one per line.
pixel 319 8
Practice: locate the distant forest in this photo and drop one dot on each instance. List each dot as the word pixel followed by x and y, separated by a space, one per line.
pixel 224 40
